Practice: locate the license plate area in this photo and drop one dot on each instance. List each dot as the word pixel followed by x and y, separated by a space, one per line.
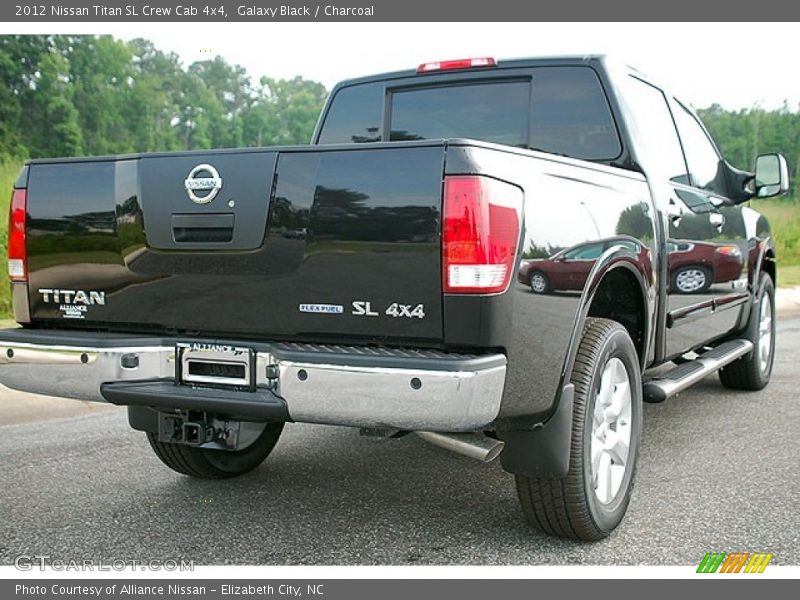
pixel 215 364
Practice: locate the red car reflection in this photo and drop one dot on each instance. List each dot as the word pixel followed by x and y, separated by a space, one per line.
pixel 694 266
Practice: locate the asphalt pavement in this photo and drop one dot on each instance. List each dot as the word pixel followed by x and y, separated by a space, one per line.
pixel 719 470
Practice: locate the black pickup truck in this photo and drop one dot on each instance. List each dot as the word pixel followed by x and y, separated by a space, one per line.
pixel 494 256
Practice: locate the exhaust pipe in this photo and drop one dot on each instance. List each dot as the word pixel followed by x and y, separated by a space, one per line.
pixel 473 445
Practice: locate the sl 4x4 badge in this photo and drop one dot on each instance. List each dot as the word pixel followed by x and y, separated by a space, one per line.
pixel 363 308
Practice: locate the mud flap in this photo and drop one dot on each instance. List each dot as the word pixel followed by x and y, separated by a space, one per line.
pixel 543 450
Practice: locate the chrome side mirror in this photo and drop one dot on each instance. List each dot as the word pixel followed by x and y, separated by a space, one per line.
pixel 772 175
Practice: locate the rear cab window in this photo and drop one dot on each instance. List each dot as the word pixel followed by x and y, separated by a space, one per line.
pixel 492 112
pixel 557 109
pixel 354 116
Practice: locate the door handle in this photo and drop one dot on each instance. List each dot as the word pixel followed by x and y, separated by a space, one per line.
pixel 674 212
pixel 717 220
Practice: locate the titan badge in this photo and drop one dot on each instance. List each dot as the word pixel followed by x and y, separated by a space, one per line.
pixel 73 304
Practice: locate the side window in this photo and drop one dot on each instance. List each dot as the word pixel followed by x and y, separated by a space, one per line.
pixel 701 157
pixel 630 245
pixel 656 131
pixel 354 116
pixel 678 246
pixel 589 252
pixel 570 114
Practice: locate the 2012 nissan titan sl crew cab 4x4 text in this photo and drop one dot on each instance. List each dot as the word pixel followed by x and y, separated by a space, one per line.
pixel 491 255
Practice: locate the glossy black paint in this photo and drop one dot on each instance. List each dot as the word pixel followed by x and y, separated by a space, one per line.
pixel 344 226
pixel 240 209
pixel 537 331
pixel 688 321
pixel 362 222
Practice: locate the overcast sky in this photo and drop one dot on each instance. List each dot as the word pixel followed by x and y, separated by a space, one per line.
pixel 736 65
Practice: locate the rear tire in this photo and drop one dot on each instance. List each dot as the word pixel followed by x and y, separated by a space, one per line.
pixel 590 501
pixel 204 463
pixel 753 370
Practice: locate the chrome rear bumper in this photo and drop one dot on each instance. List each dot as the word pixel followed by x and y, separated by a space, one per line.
pixel 355 386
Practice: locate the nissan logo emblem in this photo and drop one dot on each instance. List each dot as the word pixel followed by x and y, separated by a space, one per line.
pixel 203 178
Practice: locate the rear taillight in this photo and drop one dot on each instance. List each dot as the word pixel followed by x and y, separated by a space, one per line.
pixel 480 234
pixel 17 253
pixel 451 65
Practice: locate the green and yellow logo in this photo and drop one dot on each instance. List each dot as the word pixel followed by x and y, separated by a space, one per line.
pixel 734 562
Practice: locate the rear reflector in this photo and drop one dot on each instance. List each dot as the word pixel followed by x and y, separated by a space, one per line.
pixel 17 253
pixel 480 234
pixel 461 63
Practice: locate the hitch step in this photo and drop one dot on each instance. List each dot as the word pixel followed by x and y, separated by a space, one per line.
pixel 261 405
pixel 684 375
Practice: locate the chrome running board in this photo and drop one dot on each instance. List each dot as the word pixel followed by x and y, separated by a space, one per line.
pixel 682 376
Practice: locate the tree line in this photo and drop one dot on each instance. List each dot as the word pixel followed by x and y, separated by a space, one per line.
pixel 743 134
pixel 70 95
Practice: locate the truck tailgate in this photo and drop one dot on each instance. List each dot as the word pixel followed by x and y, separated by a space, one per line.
pixel 297 243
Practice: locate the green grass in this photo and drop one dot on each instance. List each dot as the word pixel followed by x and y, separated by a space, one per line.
pixel 789 275
pixel 784 220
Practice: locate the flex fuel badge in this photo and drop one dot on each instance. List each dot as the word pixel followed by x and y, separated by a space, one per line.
pixel 73 304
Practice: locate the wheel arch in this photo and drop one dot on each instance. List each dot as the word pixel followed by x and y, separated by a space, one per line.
pixel 629 310
pixel 769 264
pixel 542 447
pixel 766 261
pixel 614 267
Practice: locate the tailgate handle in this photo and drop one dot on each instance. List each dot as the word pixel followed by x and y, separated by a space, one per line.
pixel 212 221
pixel 202 229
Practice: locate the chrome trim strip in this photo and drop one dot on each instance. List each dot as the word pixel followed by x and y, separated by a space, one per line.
pixel 77 371
pixel 730 301
pixel 376 395
pixel 410 399
pixel 233 356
